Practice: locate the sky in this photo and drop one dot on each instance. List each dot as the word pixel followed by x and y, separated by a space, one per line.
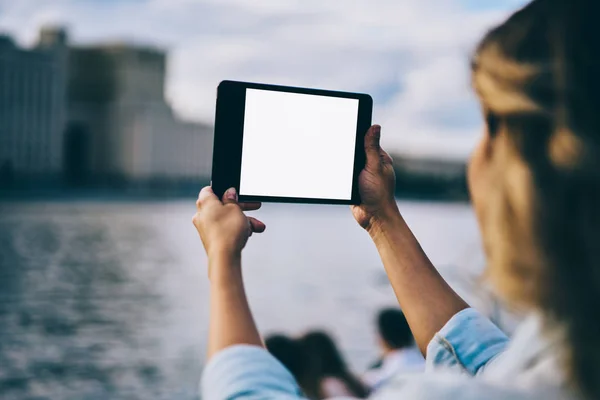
pixel 412 56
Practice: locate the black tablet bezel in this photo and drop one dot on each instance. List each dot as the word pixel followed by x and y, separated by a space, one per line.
pixel 228 141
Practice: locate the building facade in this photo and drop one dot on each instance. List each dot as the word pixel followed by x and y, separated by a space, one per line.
pixel 93 114
pixel 117 101
pixel 33 105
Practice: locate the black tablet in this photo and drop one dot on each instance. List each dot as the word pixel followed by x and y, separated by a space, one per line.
pixel 287 144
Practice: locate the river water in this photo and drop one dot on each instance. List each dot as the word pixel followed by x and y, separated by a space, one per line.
pixel 104 300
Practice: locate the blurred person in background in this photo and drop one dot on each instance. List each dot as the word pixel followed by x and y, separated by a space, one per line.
pixel 534 180
pixel 327 373
pixel 399 353
pixel 289 352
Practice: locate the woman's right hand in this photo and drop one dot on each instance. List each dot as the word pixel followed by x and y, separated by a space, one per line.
pixel 426 299
pixel 377 183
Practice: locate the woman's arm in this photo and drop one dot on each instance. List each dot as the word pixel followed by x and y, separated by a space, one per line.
pixel 224 230
pixel 231 321
pixel 424 296
pixel 426 299
pixel 239 367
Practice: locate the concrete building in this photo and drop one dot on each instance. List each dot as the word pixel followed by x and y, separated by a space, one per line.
pixel 120 124
pixel 428 167
pixel 430 178
pixel 33 106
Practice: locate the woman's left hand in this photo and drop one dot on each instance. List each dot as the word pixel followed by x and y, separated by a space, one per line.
pixel 222 225
pixel 224 230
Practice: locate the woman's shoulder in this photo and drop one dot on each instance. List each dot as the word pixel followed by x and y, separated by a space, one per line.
pixel 452 387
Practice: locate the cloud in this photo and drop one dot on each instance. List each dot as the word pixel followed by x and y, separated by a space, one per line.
pixel 412 55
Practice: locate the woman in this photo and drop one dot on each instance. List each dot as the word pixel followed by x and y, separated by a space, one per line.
pixel 326 372
pixel 535 185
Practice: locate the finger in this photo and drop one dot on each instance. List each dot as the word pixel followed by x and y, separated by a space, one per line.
pixel 250 206
pixel 206 196
pixel 250 230
pixel 256 225
pixel 230 196
pixel 372 146
pixel 385 157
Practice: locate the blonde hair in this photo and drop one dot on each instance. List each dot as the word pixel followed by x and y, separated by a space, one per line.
pixel 538 77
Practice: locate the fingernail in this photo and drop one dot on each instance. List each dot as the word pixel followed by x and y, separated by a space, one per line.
pixel 377 130
pixel 231 194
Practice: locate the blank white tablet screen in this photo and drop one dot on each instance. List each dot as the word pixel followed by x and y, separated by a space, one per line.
pixel 298 145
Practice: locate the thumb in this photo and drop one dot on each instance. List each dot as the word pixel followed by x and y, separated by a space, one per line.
pixel 372 147
pixel 230 196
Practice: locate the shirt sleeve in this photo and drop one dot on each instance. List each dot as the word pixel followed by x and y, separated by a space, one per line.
pixel 245 372
pixel 467 343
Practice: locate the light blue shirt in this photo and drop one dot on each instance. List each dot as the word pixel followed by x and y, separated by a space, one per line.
pixel 470 359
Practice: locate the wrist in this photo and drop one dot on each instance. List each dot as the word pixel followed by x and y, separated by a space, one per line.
pixel 223 252
pixel 389 219
pixel 224 265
